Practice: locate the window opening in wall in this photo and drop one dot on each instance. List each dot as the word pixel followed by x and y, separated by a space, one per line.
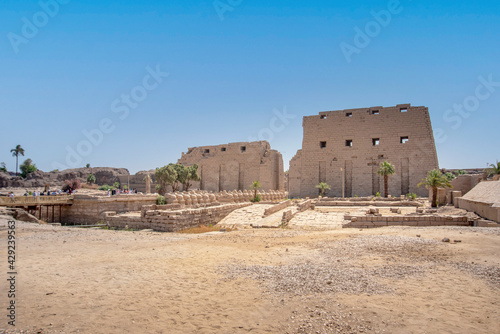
pixel 375 141
pixel 323 117
pixel 243 149
pixel 404 140
pixel 348 114
pixel 322 144
pixel 381 156
pixel 207 151
pixel 375 112
pixel 404 109
pixel 348 143
pixel 223 149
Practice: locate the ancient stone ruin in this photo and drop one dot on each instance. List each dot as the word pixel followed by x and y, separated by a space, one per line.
pixel 235 166
pixel 344 148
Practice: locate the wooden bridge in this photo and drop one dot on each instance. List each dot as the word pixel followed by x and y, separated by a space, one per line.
pixel 34 204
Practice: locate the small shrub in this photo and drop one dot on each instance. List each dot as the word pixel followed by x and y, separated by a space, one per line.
pixel 256 199
pixel 411 196
pixel 450 176
pixel 377 194
pixel 160 200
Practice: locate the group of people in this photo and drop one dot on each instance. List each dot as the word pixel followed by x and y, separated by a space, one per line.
pixel 37 193
pixel 121 191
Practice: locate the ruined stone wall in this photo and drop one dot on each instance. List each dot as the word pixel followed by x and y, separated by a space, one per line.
pixel 352 143
pixel 136 181
pixel 158 218
pixel 92 209
pixel 236 166
pixel 483 199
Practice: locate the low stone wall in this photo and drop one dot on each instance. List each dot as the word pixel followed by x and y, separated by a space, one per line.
pixel 427 220
pixel 369 203
pixel 277 207
pixel 91 209
pixel 174 220
pixel 486 210
pixel 305 205
pixel 287 216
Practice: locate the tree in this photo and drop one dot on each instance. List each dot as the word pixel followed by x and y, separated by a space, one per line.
pixel 434 180
pixel 87 166
pixel 255 186
pixel 191 174
pixel 182 173
pixel 72 185
pixel 460 172
pixel 91 179
pixel 117 185
pixel 166 175
pixel 450 176
pixel 386 169
pixel 15 153
pixel 3 167
pixel 27 167
pixel 323 186
pixel 493 169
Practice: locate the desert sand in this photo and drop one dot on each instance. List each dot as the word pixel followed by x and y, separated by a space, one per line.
pixel 387 280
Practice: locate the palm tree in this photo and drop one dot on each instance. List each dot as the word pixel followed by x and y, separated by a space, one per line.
pixel 386 169
pixel 323 186
pixel 91 179
pixel 255 186
pixel 493 169
pixel 3 167
pixel 15 153
pixel 434 180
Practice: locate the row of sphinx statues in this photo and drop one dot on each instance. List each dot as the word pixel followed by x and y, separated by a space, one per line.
pixel 202 197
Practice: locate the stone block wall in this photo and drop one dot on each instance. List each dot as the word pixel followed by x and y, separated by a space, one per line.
pixel 92 209
pixel 346 147
pixel 175 220
pixel 277 207
pixel 236 166
pixel 424 220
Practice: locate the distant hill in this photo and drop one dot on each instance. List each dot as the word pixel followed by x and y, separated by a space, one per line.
pixel 104 175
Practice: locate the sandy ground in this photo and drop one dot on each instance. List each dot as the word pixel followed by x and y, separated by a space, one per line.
pixel 384 280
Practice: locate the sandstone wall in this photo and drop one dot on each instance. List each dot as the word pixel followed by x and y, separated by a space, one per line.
pixel 483 199
pixel 92 209
pixel 357 141
pixel 375 221
pixel 136 181
pixel 236 166
pixel 159 218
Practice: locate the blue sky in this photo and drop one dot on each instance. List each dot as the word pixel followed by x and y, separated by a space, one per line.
pixel 232 67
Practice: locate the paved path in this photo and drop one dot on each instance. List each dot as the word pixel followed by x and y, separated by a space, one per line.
pixel 251 216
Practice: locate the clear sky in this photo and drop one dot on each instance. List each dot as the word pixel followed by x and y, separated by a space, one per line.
pixel 135 83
